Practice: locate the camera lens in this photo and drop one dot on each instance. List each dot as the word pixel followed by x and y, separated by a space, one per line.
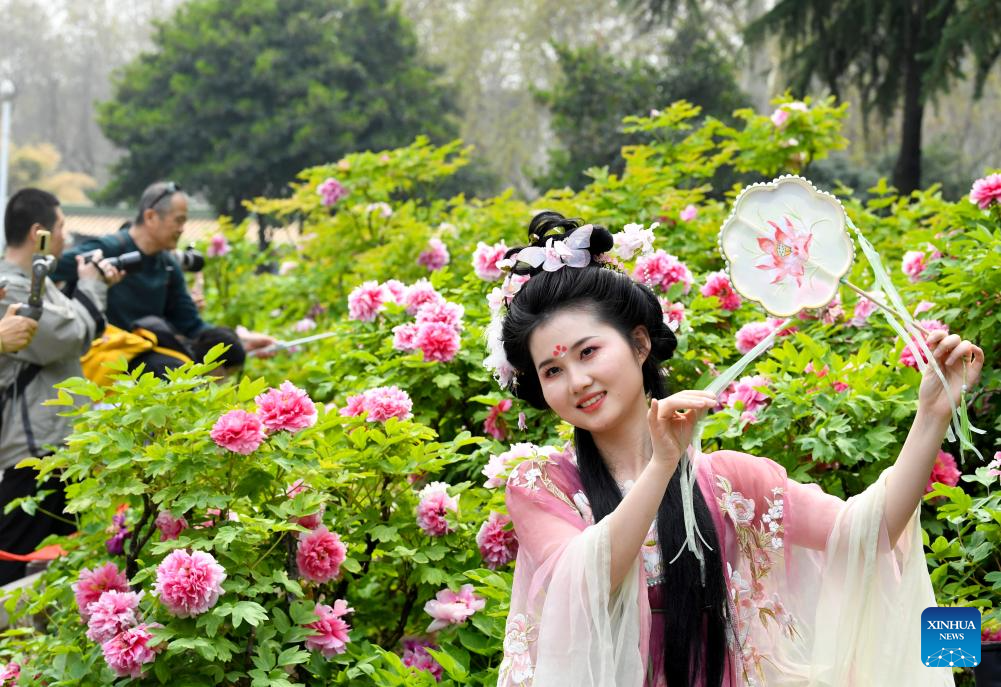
pixel 191 260
pixel 126 260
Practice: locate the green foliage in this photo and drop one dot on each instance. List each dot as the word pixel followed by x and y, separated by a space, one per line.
pixel 839 401
pixel 898 54
pixel 233 103
pixel 595 91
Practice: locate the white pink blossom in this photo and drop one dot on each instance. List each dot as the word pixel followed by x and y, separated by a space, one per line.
pixel 633 239
pixel 485 259
pixel 453 608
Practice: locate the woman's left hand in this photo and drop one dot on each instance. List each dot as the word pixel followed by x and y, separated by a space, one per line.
pixel 960 361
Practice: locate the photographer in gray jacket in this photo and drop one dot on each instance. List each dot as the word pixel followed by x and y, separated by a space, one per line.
pixel 66 327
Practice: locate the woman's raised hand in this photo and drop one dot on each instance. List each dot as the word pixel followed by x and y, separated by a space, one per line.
pixel 961 362
pixel 672 421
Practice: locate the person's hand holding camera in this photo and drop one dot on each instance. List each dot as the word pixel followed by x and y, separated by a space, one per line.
pixel 96 266
pixel 16 331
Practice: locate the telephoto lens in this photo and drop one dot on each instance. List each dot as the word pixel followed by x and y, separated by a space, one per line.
pixel 191 260
pixel 126 260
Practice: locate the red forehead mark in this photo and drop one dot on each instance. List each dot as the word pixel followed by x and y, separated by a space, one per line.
pixel 560 351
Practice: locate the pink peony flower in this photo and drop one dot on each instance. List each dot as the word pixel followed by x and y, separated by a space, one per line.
pixel 914 264
pixel 840 386
pixel 367 300
pixel 907 356
pixel 355 406
pixel 113 612
pixel 435 256
pixel 384 402
pixel 10 672
pixel 689 213
pixel 381 403
pixel 330 636
pixel 434 504
pixel 188 584
pixel 396 289
pixel 452 608
pixel 218 246
pixel 320 554
pixel 751 334
pixel 419 293
pixel 745 392
pixel 494 425
pixel 331 191
pixel 986 191
pixel 169 526
pixel 633 239
pixel 863 309
pixel 92 583
pixel 662 269
pixel 986 635
pixel 306 324
pixel 441 311
pixel 415 655
pixel 485 260
pixel 779 117
pixel 404 337
pixel 497 541
pixel 127 652
pixel 238 431
pixel 944 471
pixel 438 341
pixel 718 285
pixel 287 407
pixel 498 465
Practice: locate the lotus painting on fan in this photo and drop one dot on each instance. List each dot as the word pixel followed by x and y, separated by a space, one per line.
pixel 786 246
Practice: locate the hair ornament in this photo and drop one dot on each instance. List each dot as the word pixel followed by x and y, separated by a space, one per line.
pixel 559 253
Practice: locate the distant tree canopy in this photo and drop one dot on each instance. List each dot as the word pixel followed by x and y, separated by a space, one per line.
pixel 900 54
pixel 595 91
pixel 236 99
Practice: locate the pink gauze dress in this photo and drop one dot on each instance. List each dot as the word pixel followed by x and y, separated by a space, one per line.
pixel 819 597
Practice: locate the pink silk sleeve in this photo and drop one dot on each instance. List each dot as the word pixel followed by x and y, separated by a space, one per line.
pixel 565 625
pixel 810 513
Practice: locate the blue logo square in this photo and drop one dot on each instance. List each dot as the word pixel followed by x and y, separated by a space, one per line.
pixel 950 637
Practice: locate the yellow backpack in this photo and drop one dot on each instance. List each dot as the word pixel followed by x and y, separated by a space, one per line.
pixel 117 343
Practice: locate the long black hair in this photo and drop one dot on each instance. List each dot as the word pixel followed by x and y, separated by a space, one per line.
pixel 691 608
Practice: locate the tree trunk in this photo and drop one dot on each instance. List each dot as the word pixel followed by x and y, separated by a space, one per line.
pixel 907 171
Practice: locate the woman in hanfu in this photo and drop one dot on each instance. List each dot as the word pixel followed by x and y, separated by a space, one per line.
pixel 798 588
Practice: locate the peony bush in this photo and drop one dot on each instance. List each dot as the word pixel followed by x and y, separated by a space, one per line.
pixel 337 516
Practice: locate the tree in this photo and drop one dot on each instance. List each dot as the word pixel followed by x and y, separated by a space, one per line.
pixel 235 100
pixel 595 91
pixel 900 53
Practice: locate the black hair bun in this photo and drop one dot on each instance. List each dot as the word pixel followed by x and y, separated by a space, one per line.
pixel 548 225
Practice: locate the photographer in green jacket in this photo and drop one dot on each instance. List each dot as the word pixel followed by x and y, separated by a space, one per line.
pixel 155 285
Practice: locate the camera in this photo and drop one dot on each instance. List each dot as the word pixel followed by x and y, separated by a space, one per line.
pixel 190 259
pixel 122 262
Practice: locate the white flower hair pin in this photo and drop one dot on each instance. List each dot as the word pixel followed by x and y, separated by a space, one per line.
pixel 559 254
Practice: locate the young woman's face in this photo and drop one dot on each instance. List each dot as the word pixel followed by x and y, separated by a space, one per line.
pixel 590 375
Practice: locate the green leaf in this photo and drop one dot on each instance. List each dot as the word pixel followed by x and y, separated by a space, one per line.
pixel 250 612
